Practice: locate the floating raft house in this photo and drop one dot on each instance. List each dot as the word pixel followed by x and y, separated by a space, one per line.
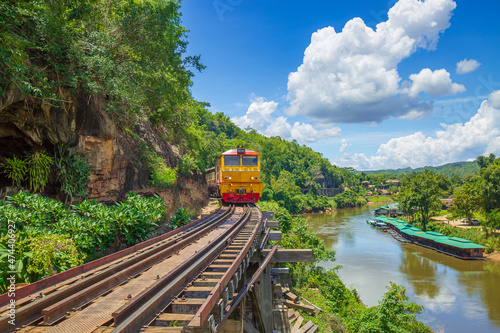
pixel 391 210
pixel 455 246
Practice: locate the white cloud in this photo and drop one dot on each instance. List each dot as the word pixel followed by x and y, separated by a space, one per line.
pixel 259 116
pixel 437 83
pixel 344 145
pixel 455 142
pixel 351 76
pixel 466 66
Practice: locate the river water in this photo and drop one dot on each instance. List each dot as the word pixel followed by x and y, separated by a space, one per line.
pixel 458 295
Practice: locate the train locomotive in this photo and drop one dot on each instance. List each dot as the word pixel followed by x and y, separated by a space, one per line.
pixel 236 176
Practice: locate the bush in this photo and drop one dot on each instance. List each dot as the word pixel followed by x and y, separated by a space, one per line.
pixel 38 255
pixel 73 172
pixel 267 193
pixel 160 175
pixel 37 166
pixel 394 314
pixel 15 169
pixel 187 164
pixel 52 254
pixel 92 225
pixel 281 215
pixel 349 198
pixel 181 218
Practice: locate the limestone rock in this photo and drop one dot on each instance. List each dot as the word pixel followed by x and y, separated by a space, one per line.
pixel 28 124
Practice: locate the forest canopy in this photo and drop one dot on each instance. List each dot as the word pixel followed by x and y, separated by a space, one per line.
pixel 130 52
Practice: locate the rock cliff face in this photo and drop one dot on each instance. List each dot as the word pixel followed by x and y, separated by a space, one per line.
pixel 28 124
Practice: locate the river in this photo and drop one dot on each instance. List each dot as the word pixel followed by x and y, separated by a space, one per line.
pixel 458 295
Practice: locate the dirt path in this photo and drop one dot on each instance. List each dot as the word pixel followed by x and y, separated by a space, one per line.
pixel 454 223
pixel 495 256
pixel 212 206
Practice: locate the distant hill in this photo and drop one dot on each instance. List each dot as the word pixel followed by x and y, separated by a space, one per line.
pixel 459 168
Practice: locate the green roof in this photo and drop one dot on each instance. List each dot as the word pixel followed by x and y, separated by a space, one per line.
pixel 438 237
pixel 410 231
pixel 458 239
pixel 425 235
pixel 388 207
pixel 461 244
pixel 434 233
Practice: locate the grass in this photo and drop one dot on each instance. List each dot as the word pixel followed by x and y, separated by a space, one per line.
pixel 440 212
pixel 325 319
pixel 381 198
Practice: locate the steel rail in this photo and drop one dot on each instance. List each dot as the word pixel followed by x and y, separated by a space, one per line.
pixel 36 287
pixel 33 311
pixel 140 299
pixel 204 311
pixel 237 300
pixel 58 310
pixel 264 240
pixel 145 307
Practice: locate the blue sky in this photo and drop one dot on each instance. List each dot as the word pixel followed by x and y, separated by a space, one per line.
pixel 369 84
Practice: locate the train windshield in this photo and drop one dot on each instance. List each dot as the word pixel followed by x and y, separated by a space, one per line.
pixel 232 160
pixel 250 160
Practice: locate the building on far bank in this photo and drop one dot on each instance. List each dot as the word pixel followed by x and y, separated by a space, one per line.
pixel 448 202
pixel 392 182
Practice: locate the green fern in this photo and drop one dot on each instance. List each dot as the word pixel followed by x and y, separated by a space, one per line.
pixel 15 169
pixel 39 165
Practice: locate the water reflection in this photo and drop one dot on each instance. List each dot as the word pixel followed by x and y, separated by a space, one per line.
pixel 458 295
pixel 486 283
pixel 421 273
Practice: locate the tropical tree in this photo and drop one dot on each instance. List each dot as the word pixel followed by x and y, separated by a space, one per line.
pixel 490 175
pixel 286 192
pixel 393 189
pixel 484 161
pixel 466 200
pixel 395 313
pixel 420 193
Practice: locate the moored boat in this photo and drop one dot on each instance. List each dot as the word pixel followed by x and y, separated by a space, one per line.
pixel 377 224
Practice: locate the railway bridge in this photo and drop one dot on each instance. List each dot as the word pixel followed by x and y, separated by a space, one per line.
pixel 213 275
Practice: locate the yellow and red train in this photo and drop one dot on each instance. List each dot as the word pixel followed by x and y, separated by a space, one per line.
pixel 236 176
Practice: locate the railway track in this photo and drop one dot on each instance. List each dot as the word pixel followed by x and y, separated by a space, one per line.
pixel 186 278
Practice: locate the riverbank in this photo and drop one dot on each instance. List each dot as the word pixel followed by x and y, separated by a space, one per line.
pixel 441 283
pixel 455 223
pixel 495 256
pixel 379 199
pixel 459 224
pixel 343 310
